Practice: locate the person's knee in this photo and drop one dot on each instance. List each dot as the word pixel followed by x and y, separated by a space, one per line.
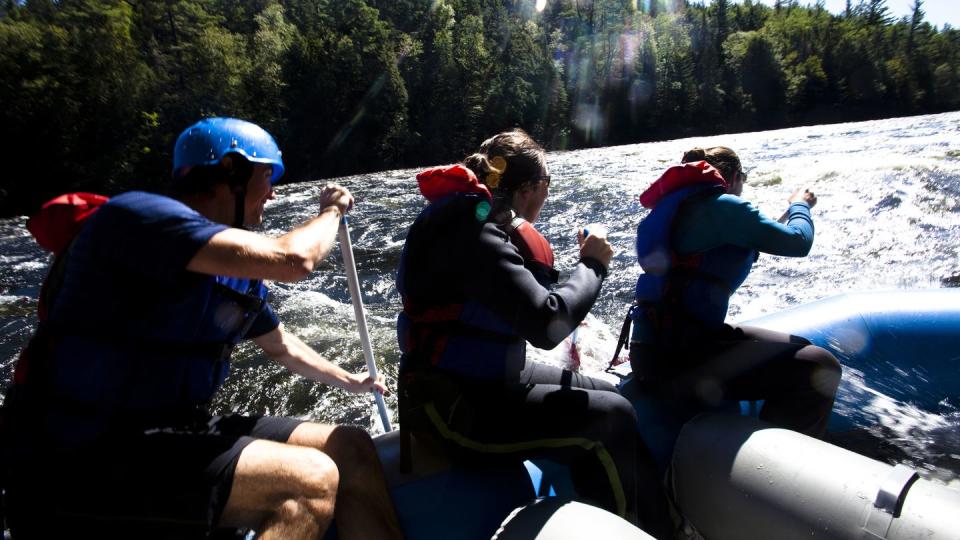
pixel 354 437
pixel 621 409
pixel 618 416
pixel 826 375
pixel 352 445
pixel 318 475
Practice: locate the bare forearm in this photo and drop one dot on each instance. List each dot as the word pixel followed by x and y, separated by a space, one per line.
pixel 291 257
pixel 312 241
pixel 292 353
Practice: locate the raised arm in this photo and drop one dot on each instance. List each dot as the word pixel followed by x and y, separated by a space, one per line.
pixel 543 317
pixel 793 238
pixel 732 220
pixel 290 257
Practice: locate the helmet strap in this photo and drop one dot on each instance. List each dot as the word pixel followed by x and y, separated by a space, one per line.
pixel 240 200
pixel 239 171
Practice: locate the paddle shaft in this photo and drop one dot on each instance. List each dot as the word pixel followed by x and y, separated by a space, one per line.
pixel 353 282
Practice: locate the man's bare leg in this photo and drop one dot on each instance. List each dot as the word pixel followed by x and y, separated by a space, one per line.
pixel 364 508
pixel 283 491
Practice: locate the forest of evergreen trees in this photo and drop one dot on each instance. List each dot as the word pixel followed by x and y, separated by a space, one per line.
pixel 94 92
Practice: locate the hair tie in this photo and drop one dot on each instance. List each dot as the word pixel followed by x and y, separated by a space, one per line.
pixel 498 166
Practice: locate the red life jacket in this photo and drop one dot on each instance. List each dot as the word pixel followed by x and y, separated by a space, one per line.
pixel 60 219
pixel 54 227
pixel 439 182
pixel 679 177
pixel 535 250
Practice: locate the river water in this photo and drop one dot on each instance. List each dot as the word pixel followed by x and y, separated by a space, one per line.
pixel 888 216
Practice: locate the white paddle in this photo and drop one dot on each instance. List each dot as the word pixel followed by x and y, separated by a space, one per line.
pixel 354 284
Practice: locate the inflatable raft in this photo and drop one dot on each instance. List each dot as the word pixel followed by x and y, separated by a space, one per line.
pixel 731 475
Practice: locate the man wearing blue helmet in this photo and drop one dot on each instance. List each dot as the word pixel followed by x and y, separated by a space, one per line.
pixel 150 299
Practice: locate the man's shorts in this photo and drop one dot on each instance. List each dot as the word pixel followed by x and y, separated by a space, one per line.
pixel 175 479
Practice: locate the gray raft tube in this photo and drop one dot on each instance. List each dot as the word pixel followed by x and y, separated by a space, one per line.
pixel 737 477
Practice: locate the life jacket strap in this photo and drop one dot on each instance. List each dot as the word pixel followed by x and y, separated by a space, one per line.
pixel 533 247
pixel 433 314
pixel 431 330
pixel 623 341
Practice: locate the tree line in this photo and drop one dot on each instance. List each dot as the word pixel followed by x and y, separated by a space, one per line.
pixel 94 92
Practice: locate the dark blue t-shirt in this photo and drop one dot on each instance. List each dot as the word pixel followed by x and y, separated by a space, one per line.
pixel 135 331
pixel 126 273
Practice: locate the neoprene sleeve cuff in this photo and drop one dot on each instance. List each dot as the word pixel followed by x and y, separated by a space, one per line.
pixel 595 265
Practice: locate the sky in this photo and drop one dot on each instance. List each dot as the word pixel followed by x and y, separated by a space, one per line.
pixel 937 12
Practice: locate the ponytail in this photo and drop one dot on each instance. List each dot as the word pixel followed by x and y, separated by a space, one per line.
pixel 694 154
pixel 722 158
pixel 481 166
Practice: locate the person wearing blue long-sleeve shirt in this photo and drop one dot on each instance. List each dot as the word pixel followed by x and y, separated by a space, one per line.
pixel 696 247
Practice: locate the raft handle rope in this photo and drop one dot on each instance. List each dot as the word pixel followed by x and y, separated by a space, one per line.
pixel 346 247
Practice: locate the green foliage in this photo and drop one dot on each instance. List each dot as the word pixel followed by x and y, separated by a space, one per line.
pixel 798 39
pixel 346 91
pixel 676 85
pixel 265 84
pixel 94 92
pixel 761 76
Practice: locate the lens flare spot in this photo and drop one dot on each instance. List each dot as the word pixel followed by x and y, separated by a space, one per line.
pixel 482 211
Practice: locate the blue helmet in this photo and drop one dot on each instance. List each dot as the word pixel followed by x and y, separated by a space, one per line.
pixel 207 141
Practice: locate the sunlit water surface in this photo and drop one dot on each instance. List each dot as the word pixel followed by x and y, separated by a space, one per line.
pixel 888 217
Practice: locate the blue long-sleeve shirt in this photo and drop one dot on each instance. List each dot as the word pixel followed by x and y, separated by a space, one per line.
pixel 728 219
pixel 715 225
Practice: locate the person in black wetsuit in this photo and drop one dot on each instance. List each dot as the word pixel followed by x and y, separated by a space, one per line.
pixel 477 283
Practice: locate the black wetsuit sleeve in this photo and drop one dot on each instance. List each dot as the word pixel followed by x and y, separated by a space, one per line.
pixel 539 315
